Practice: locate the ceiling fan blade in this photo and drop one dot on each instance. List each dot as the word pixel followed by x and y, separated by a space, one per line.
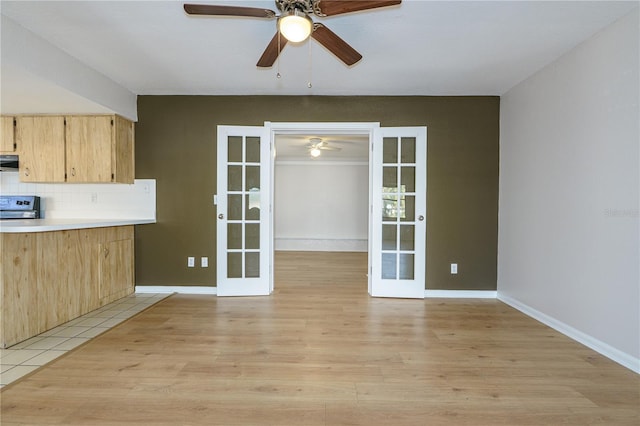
pixel 337 7
pixel 271 53
pixel 335 44
pixel 204 9
pixel 329 148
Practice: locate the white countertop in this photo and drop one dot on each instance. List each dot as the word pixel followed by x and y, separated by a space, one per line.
pixel 46 225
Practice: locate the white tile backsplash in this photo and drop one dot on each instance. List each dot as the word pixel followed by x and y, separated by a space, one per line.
pixel 90 201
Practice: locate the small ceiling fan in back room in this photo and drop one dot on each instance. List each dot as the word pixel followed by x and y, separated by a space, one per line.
pixel 295 25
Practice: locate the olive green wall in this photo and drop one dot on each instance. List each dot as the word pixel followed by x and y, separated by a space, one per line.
pixel 175 144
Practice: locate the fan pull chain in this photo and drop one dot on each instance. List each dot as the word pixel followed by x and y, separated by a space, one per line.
pixel 309 85
pixel 278 57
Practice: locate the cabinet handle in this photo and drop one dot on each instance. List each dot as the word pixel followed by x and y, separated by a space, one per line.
pixel 106 252
pixel 26 171
pixel 73 171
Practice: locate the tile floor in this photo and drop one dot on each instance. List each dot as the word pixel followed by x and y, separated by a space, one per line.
pixel 25 357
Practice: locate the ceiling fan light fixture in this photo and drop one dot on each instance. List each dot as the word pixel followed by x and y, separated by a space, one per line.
pixel 295 25
pixel 314 152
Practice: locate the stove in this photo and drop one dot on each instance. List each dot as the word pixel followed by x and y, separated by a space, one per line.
pixel 19 207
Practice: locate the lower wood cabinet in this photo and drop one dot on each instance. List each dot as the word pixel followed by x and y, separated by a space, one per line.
pixel 116 268
pixel 49 278
pixel 19 289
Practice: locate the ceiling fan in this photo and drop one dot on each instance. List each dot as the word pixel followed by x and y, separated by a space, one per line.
pixel 295 25
pixel 317 145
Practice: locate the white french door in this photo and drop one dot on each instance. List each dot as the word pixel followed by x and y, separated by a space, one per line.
pixel 243 224
pixel 397 236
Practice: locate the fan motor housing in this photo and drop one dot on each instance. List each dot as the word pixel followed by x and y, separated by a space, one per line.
pixel 305 6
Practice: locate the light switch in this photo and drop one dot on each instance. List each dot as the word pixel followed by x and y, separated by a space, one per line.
pixel 191 261
pixel 454 268
pixel 204 262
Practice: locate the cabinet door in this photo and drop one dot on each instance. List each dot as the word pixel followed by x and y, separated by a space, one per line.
pixel 116 269
pixel 123 154
pixel 67 275
pixel 61 259
pixel 89 149
pixel 116 263
pixel 18 288
pixel 42 153
pixel 7 137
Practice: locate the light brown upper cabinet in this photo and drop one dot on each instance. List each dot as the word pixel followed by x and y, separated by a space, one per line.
pixel 7 135
pixel 91 148
pixel 99 149
pixel 41 142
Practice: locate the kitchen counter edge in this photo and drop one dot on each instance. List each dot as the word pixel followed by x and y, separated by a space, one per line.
pixel 47 225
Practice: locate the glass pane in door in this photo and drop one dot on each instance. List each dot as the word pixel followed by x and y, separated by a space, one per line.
pixel 389 237
pixel 408 150
pixel 408 178
pixel 406 266
pixel 252 265
pixel 389 266
pixel 407 237
pixel 234 265
pixel 235 149
pixel 390 150
pixel 253 149
pixel 234 178
pixel 235 207
pixel 234 236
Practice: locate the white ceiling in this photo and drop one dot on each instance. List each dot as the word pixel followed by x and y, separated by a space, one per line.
pixel 416 48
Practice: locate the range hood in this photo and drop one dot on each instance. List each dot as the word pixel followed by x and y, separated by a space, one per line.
pixel 8 163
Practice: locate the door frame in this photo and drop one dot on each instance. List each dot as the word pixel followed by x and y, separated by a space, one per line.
pixel 321 128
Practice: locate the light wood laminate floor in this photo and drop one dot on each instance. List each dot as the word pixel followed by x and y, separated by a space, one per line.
pixel 322 352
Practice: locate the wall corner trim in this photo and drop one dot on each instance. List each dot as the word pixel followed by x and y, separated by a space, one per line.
pixel 460 294
pixel 161 289
pixel 591 342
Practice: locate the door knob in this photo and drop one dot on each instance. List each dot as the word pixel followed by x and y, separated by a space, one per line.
pixel 220 216
pixel 420 218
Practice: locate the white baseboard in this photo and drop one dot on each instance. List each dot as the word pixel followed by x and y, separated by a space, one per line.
pixel 161 289
pixel 609 351
pixel 310 244
pixel 461 294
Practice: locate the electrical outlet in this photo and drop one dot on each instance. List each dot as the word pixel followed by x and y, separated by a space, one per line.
pixel 191 261
pixel 204 262
pixel 454 268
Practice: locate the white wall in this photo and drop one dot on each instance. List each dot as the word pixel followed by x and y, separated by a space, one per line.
pixel 87 200
pixel 321 206
pixel 568 248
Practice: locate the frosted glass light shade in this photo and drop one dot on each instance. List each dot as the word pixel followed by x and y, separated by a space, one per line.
pixel 295 26
pixel 315 152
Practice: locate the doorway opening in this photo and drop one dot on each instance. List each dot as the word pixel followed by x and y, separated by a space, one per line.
pixel 321 209
pixel 354 137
